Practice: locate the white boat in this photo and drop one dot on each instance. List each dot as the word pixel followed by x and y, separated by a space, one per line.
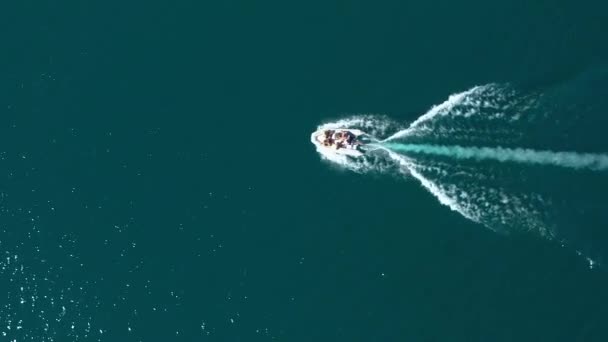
pixel 349 147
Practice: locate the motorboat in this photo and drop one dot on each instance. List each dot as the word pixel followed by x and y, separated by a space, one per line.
pixel 342 141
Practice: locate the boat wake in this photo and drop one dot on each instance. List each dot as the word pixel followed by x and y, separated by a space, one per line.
pixel 592 161
pixel 503 158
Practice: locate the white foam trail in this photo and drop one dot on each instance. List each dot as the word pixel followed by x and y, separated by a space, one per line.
pixel 362 120
pixel 433 188
pixel 407 167
pixel 441 109
pixel 375 125
pixel 574 160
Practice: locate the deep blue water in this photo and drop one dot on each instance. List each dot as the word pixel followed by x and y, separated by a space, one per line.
pixel 158 182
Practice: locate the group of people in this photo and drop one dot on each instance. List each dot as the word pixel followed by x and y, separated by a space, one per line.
pixel 339 139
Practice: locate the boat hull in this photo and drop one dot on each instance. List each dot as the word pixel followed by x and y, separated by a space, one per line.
pixel 349 150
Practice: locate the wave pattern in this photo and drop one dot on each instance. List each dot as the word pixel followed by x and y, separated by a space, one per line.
pixel 499 157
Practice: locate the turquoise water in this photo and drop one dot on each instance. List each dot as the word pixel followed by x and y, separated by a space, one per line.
pixel 159 183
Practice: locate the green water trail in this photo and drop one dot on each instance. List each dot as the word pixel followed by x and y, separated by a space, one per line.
pixel 574 160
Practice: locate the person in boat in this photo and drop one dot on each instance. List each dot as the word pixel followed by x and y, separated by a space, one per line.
pixel 341 139
pixel 333 139
pixel 346 138
pixel 349 137
pixel 328 137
